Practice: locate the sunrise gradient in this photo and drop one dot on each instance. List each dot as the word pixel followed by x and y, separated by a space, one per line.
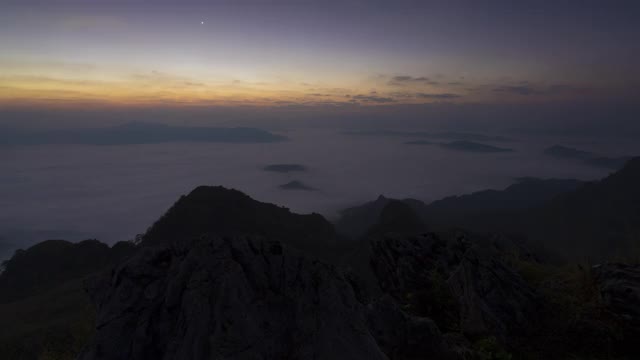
pixel 353 53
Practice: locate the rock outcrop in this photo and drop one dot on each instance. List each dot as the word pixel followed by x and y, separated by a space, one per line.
pixel 619 286
pixel 227 298
pixel 405 263
pixel 493 299
pixel 402 336
pixel 455 278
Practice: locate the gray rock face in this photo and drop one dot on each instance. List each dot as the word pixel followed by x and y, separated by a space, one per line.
pixel 493 298
pixel 242 298
pixel 405 337
pixel 488 297
pixel 404 263
pixel 619 286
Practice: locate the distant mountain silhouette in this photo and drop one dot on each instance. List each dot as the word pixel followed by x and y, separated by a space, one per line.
pixel 527 193
pixel 442 135
pixel 482 210
pixel 296 185
pixel 398 217
pixel 285 168
pixel 609 162
pixel 138 133
pixel 12 239
pixel 215 210
pixel 587 157
pixel 599 219
pixel 596 220
pixel 567 152
pixel 355 221
pixel 489 209
pixel 470 146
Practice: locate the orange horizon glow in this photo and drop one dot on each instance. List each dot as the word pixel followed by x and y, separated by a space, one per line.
pixel 23 86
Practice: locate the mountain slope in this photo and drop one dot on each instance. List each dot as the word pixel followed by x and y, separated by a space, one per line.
pixel 44 310
pixel 231 298
pixel 355 221
pixel 483 210
pixel 586 157
pixel 53 262
pixel 599 219
pixel 491 210
pixel 210 210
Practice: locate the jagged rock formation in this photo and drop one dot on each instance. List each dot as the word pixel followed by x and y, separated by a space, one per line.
pixel 240 298
pixel 403 336
pixel 444 279
pixel 406 263
pixel 395 217
pixel 493 298
pixel 209 280
pixel 619 286
pixel 221 275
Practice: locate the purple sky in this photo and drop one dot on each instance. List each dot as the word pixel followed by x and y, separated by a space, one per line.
pixel 318 53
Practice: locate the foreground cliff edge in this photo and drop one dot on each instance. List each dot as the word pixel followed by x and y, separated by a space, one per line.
pixel 221 275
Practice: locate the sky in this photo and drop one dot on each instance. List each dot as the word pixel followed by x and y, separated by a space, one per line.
pixel 328 55
pixel 541 73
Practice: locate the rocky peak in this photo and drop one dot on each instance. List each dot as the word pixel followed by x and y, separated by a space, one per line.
pixel 241 298
pixel 215 210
